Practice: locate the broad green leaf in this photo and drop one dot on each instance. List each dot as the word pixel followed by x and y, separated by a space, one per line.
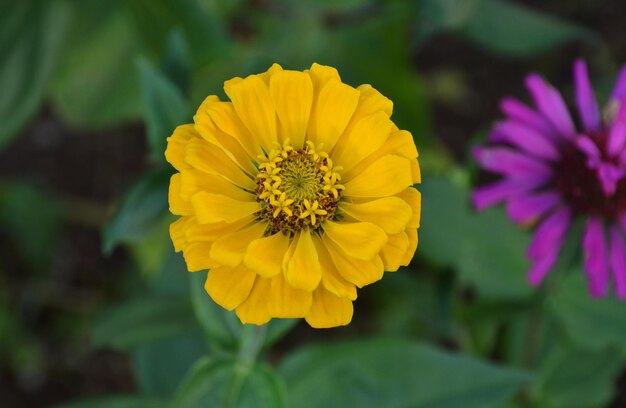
pixel 116 401
pixel 507 28
pixel 394 373
pixel 142 320
pixel 160 366
pixel 591 323
pixel 453 234
pixel 139 212
pixel 164 107
pixel 216 382
pixel 31 34
pixel 177 61
pixel 500 26
pixel 576 378
pixel 97 84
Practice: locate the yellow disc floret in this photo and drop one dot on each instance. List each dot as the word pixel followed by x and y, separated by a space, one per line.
pixel 297 189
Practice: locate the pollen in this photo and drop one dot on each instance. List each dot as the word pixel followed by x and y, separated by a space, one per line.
pixel 297 189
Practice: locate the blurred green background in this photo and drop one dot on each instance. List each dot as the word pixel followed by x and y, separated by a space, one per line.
pixel 96 310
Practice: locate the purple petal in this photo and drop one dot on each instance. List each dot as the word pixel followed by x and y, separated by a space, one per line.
pixel 528 207
pixel 491 194
pixel 512 163
pixel 585 98
pixel 587 146
pixel 526 139
pixel 551 105
pixel 617 134
pixel 619 90
pixel 549 235
pixel 618 260
pixel 546 244
pixel 594 246
pixel 519 112
pixel 609 176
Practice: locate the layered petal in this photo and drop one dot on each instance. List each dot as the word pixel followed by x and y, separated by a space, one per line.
pixel 286 301
pixel 331 278
pixel 292 93
pixel 303 270
pixel 618 260
pixel 254 309
pixel 211 208
pixel 551 105
pixel 229 287
pixel 230 249
pixel 360 240
pixel 265 255
pixel 596 259
pixel 392 214
pixel 329 310
pixel 356 271
pixel 387 176
pixel 585 98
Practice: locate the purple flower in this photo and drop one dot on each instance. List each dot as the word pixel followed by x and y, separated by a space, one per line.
pixel 553 171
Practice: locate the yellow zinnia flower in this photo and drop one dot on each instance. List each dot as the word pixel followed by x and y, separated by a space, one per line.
pixel 293 194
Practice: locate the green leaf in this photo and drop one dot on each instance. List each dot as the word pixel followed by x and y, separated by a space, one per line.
pixel 31 34
pixel 142 320
pixel 161 365
pixel 164 107
pixel 116 401
pixel 177 61
pixel 453 234
pixel 591 323
pixel 96 86
pixel 137 216
pixel 576 378
pixel 394 373
pixel 225 382
pixel 507 28
pixel 499 26
pixel 221 326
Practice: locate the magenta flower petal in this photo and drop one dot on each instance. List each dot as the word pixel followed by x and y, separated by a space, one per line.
pixel 521 113
pixel 585 98
pixel 551 105
pixel 526 139
pixel 550 234
pixel 491 194
pixel 512 163
pixel 618 260
pixel 528 207
pixel 619 90
pixel 539 269
pixel 596 267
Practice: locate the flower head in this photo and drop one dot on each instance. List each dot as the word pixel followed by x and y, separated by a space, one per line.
pixel 554 171
pixel 294 193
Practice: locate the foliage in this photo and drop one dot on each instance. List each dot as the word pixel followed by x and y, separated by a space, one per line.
pixel 458 327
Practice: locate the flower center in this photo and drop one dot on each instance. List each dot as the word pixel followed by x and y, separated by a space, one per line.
pixel 297 189
pixel 578 180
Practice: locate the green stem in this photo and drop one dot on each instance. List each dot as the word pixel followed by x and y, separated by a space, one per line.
pixel 252 340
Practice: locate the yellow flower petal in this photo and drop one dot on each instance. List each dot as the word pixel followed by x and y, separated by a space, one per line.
pixel 197 256
pixel 178 205
pixel 354 270
pixel 394 252
pixel 371 101
pixel 224 116
pixel 414 198
pixel 212 159
pixel 254 309
pixel 193 181
pixel 177 233
pixel 229 287
pixel 416 172
pixel 303 269
pixel 329 310
pixel 230 249
pixel 292 93
pixel 175 152
pixel 401 143
pixel 287 302
pixel 265 255
pixel 211 208
pixel 361 240
pixel 412 234
pixel 254 106
pixel 366 137
pixel 195 231
pixel 321 74
pixel 271 71
pixel 392 214
pixel 331 278
pixel 386 176
pixel 333 109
